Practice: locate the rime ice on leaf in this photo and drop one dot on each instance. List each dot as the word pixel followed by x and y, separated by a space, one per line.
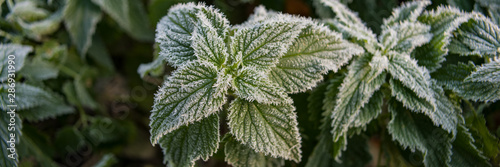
pixel 189 143
pixel 479 36
pixel 267 128
pixel 187 96
pixel 254 86
pixel 443 21
pixel 174 33
pixel 263 44
pixel 313 52
pixel 239 155
pixel 19 51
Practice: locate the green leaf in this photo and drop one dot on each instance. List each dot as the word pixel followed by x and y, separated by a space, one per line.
pixel 356 90
pixel 209 35
pixel 80 18
pixel 410 99
pixel 35 103
pixel 190 94
pixel 486 142
pixel 408 11
pixel 239 155
pixel 348 23
pixel 453 76
pixel 405 36
pixel 266 128
pixel 107 160
pixel 51 105
pixel 28 11
pixel 417 132
pixel 446 112
pixel 130 15
pixel 99 54
pixel 31 147
pixel 488 72
pixel 315 50
pixel 36 30
pixel 183 146
pixel 479 36
pixel 9 157
pixel 174 34
pixel 254 86
pixel 370 110
pixel 464 152
pixel 261 45
pixel 405 69
pixel 39 69
pixel 443 21
pixel 19 53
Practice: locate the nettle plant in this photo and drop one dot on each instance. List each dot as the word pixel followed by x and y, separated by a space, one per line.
pixel 245 71
pixel 396 88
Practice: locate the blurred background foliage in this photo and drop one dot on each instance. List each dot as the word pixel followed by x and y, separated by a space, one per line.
pixel 87 52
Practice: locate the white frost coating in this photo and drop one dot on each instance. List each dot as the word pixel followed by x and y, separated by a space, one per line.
pixel 252 85
pixel 479 37
pixel 408 11
pixel 263 44
pixel 354 93
pixel 315 51
pixel 488 72
pixel 405 69
pixel 187 96
pixel 187 144
pixel 174 31
pixel 267 128
pixel 405 36
pixel 208 37
pixel 348 23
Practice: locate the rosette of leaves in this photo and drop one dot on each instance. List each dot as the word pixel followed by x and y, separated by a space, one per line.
pixel 391 83
pixel 257 63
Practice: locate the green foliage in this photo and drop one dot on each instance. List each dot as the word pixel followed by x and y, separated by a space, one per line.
pixel 414 85
pixel 253 63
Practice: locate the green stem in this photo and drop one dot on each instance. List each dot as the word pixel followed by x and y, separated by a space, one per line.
pixel 68 71
pixel 83 116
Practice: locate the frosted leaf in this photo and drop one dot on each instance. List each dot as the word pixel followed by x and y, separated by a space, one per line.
pixel 370 111
pixel 479 36
pixel 405 69
pixel 263 44
pixel 410 99
pixel 208 36
pixel 192 93
pixel 407 12
pixel 19 51
pixel 266 128
pixel 34 103
pixel 239 155
pixel 417 133
pixel 354 93
pixel 488 72
pixel 446 112
pixel 80 19
pixel 443 21
pixel 183 146
pixel 348 23
pixel 405 36
pixel 255 86
pixel 174 34
pixel 378 64
pixel 453 76
pixel 316 50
